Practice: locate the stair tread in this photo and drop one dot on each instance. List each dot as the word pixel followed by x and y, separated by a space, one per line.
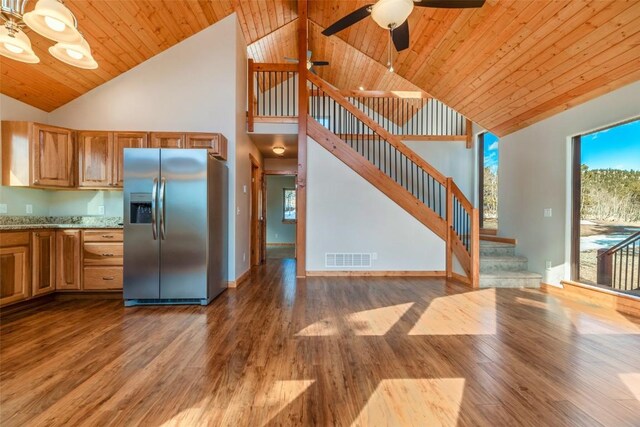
pixel 506 258
pixel 489 244
pixel 512 274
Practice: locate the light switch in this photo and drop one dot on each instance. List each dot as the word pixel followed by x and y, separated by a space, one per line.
pixel 547 213
pixel 100 210
pixel 238 210
pixel 29 208
pixel 3 208
pixel 244 189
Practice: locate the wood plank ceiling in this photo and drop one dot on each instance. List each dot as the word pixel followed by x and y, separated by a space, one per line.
pixel 505 66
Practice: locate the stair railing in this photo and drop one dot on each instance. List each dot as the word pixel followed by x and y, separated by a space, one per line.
pixel 417 186
pixel 272 92
pixel 619 266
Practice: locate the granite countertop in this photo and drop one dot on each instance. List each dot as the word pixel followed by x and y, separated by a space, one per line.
pixel 42 222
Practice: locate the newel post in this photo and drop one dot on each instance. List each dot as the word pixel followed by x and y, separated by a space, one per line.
pixel 449 254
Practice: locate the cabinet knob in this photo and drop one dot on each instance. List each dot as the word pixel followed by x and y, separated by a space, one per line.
pixel 107 254
pixel 108 278
pixel 107 236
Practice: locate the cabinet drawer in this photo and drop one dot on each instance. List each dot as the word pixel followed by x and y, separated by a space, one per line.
pixel 102 254
pixel 103 235
pixel 19 238
pixel 102 278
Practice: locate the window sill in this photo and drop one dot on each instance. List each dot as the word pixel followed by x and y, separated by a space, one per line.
pixel 289 221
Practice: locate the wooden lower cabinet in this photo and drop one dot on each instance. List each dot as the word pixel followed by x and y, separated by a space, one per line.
pixel 15 267
pixel 102 278
pixel 68 250
pixel 102 260
pixel 43 246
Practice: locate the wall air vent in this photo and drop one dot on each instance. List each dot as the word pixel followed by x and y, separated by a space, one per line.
pixel 337 260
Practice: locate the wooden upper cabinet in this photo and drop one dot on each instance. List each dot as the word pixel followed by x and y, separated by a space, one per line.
pixel 95 155
pixel 36 155
pixel 15 267
pixel 216 143
pixel 43 246
pixel 167 140
pixel 122 140
pixel 68 266
pixel 53 156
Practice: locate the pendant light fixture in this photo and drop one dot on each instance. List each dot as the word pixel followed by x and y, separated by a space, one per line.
pixel 51 19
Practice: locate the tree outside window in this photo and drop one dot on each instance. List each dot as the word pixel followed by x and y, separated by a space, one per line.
pixel 289 205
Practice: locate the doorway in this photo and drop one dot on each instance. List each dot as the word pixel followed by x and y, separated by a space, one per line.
pixel 606 208
pixel 280 214
pixel 488 180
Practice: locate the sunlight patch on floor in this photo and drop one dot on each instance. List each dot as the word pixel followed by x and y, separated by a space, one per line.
pixel 632 381
pixel 444 315
pixel 374 322
pixel 611 323
pixel 532 303
pixel 413 402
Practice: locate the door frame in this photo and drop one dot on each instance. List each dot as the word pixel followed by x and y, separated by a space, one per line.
pixel 481 179
pixel 293 173
pixel 257 220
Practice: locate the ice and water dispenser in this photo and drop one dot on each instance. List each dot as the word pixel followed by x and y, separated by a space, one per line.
pixel 140 206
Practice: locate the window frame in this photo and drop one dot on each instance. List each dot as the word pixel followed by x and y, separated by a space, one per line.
pixel 284 205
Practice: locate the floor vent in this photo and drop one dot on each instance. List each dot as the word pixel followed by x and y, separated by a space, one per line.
pixel 347 260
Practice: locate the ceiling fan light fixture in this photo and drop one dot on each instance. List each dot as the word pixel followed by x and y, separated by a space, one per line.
pixel 75 54
pixel 279 150
pixel 53 20
pixel 15 44
pixel 390 14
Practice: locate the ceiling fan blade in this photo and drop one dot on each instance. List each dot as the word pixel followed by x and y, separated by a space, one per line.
pixel 312 70
pixel 350 19
pixel 450 4
pixel 320 63
pixel 400 36
pixel 293 60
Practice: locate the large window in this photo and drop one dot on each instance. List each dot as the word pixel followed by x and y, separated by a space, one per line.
pixel 488 179
pixel 606 207
pixel 289 207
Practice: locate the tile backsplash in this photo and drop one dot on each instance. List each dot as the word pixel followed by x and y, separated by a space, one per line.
pixel 60 203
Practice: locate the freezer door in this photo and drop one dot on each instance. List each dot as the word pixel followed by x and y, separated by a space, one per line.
pixel 141 240
pixel 182 219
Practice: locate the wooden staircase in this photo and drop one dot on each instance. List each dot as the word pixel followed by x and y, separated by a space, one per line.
pixel 386 162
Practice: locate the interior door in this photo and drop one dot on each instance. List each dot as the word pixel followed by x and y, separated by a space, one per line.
pixel 141 239
pixel 182 212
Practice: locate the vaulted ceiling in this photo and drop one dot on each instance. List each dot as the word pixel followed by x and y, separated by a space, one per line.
pixel 505 66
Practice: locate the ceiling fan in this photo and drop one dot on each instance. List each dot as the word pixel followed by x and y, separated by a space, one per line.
pixel 392 15
pixel 310 63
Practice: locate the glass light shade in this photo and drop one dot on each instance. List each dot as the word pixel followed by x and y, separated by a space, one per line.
pixel 52 19
pixel 391 13
pixel 278 150
pixel 76 54
pixel 17 47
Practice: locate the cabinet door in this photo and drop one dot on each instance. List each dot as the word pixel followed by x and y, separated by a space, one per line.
pixel 15 277
pixel 43 262
pixel 53 156
pixel 167 140
pixel 68 259
pixel 122 140
pixel 216 143
pixel 95 156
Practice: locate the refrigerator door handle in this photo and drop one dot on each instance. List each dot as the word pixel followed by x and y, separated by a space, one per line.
pixel 163 181
pixel 154 194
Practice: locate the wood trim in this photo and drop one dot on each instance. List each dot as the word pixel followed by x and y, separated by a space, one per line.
pixel 604 298
pixel 449 249
pixel 437 138
pixel 266 66
pixel 480 187
pixel 240 280
pixel 348 93
pixel 256 223
pixel 576 195
pixel 377 178
pixel 469 136
pixel 89 294
pixel 475 248
pixel 22 306
pixel 498 239
pixel 301 180
pixel 376 273
pixel 281 245
pixel 275 119
pixel 274 172
pixel 460 278
pixel 466 204
pixel 488 232
pixel 391 139
pixel 250 94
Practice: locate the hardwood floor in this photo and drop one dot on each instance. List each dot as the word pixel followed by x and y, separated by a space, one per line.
pixel 328 351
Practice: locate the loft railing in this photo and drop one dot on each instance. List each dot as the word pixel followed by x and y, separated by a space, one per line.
pixel 374 152
pixel 409 115
pixel 619 266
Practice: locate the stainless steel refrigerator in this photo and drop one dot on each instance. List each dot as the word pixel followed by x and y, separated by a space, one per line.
pixel 175 226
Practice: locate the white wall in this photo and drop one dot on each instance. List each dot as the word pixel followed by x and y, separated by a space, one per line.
pixel 281 164
pixel 277 230
pixel 347 214
pixel 534 174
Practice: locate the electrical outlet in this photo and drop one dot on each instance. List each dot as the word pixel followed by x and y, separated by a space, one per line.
pixel 548 213
pixel 244 189
pixel 100 210
pixel 276 235
pixel 244 256
pixel 238 210
pixel 3 208
pixel 374 256
pixel 547 264
pixel 29 209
